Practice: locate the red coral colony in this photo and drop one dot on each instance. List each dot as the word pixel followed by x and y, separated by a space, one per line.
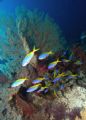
pixel 64 74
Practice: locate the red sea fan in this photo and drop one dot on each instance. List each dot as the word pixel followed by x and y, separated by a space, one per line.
pixel 27 108
pixel 42 69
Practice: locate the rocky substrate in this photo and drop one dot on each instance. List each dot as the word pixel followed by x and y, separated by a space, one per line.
pixel 71 106
pixel 16 106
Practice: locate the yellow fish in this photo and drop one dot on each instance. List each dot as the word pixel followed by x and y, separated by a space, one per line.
pixel 18 82
pixel 72 76
pixel 42 89
pixel 33 88
pixel 28 57
pixel 61 75
pixel 53 64
pixel 37 80
pixel 55 93
pixel 45 55
pixel 65 60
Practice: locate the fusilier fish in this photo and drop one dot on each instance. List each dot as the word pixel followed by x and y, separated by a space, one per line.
pixel 53 64
pixel 56 79
pixel 44 55
pixel 33 88
pixel 19 82
pixel 38 80
pixel 28 57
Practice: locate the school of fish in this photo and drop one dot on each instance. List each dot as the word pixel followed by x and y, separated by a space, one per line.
pixel 49 81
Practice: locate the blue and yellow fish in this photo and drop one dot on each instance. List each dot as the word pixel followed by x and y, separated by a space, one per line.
pixel 33 88
pixel 72 76
pixel 61 75
pixel 62 87
pixel 53 64
pixel 38 80
pixel 19 82
pixel 28 57
pixel 45 55
pixel 66 60
pixel 78 62
pixel 42 89
pixel 71 57
pixel 56 79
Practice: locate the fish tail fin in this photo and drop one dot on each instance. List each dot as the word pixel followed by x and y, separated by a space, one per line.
pixel 58 60
pixel 51 53
pixel 55 94
pixel 26 78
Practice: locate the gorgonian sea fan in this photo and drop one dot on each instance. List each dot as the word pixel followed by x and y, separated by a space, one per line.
pixel 21 32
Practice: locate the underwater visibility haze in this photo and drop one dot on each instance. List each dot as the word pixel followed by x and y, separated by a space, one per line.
pixel 42 60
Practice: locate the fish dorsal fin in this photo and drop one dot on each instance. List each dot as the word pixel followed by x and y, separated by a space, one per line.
pixel 34 49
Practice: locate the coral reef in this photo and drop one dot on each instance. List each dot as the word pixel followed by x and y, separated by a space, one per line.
pixel 68 107
pixel 24 106
pixel 21 32
pixel 40 106
pixel 6 111
pixel 36 28
pixel 80 54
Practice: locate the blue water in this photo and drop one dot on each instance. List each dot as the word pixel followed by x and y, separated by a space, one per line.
pixel 69 14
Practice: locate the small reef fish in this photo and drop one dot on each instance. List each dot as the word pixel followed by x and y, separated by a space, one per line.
pixel 65 52
pixel 41 89
pixel 61 75
pixel 33 88
pixel 46 76
pixel 78 62
pixel 72 76
pixel 38 80
pixel 55 93
pixel 53 64
pixel 61 87
pixel 46 90
pixel 71 56
pixel 56 80
pixel 55 73
pixel 65 60
pixel 28 57
pixel 83 36
pixel 18 82
pixel 45 55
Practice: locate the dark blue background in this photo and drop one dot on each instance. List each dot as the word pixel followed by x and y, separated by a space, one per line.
pixel 69 14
